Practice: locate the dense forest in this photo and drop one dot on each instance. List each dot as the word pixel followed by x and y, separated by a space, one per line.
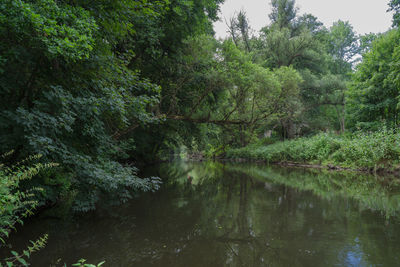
pixel 89 90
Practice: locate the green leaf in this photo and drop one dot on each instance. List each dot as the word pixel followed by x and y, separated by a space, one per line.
pixel 21 260
pixel 26 253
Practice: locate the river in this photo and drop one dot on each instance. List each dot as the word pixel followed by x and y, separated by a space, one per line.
pixel 232 214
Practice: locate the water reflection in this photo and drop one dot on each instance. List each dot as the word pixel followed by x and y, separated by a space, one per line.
pixel 214 214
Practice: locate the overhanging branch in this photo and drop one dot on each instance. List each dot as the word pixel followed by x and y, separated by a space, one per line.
pixel 207 120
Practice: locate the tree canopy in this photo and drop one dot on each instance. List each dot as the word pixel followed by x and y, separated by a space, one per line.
pixel 101 86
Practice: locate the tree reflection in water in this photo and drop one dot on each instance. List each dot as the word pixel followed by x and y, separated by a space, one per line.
pixel 214 214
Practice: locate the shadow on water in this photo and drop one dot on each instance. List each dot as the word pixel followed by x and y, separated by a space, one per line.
pixel 214 214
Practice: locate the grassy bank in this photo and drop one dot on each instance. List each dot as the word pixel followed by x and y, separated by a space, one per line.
pixel 372 151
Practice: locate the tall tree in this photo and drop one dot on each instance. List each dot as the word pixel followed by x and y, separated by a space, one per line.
pixel 373 96
pixel 239 29
pixel 394 6
pixel 343 46
pixel 283 13
pixel 299 42
pixel 311 23
pixel 244 27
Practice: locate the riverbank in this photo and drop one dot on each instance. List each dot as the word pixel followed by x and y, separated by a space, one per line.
pixel 372 152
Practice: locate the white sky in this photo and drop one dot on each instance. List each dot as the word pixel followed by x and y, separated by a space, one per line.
pixel 365 15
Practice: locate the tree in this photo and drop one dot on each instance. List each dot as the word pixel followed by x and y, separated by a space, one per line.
pixel 280 49
pixel 334 88
pixel 75 83
pixel 394 6
pixel 373 95
pixel 283 13
pixel 366 42
pixel 244 28
pixel 240 30
pixel 311 23
pixel 299 42
pixel 290 106
pixel 343 46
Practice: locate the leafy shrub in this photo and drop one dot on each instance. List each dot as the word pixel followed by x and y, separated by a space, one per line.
pixel 16 205
pixel 374 150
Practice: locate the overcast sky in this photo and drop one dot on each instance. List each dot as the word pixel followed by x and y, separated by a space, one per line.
pixel 365 15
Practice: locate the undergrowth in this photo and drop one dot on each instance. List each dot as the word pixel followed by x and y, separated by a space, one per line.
pixel 359 150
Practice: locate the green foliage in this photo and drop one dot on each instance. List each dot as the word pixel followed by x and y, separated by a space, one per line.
pixel 394 5
pixel 223 86
pixel 16 205
pixel 284 13
pixel 57 29
pixel 212 152
pixel 280 48
pixel 243 26
pixel 323 57
pixel 81 263
pixel 21 259
pixel 292 80
pixel 373 96
pixel 68 92
pixel 362 151
pixel 343 46
pixel 366 41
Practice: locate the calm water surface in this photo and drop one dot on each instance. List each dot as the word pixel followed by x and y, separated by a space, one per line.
pixel 213 214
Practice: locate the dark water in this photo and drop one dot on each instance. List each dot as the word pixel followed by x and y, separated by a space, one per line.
pixel 210 214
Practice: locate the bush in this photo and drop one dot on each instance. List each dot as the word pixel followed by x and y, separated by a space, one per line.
pixel 360 150
pixel 16 205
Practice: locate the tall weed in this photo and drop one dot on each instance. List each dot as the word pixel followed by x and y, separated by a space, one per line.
pixel 359 150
